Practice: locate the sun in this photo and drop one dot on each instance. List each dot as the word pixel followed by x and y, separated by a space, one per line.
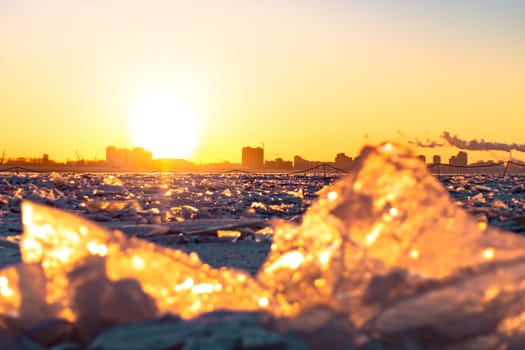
pixel 165 125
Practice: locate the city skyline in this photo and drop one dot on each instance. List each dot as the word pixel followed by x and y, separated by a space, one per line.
pixel 198 79
pixel 481 150
pixel 252 158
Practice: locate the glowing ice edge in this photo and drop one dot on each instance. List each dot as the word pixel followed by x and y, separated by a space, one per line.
pixel 385 247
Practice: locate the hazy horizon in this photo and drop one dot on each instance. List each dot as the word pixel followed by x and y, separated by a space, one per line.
pixel 315 78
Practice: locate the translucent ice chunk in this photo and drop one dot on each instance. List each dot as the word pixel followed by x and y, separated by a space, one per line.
pixel 82 260
pixel 106 206
pixel 384 254
pixel 388 240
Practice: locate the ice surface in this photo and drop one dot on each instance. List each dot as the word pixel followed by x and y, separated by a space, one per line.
pixel 388 248
pixel 384 255
pixel 76 254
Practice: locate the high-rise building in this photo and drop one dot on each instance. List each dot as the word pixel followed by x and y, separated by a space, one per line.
pixel 253 158
pixel 116 156
pixel 460 159
pixel 342 161
pixel 122 157
pixel 139 157
pixel 436 159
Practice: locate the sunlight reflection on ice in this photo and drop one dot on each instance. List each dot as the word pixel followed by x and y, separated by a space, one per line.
pixel 386 247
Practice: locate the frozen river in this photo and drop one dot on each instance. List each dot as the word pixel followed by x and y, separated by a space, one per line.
pixel 156 205
pixel 383 259
pixel 171 198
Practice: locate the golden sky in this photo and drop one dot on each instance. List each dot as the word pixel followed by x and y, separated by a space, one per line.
pixel 305 77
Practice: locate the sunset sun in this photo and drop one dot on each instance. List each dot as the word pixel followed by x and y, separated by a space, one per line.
pixel 165 125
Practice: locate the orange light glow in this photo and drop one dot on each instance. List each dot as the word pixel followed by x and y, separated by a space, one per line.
pixel 488 253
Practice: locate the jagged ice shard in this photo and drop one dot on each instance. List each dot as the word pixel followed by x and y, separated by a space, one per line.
pixel 384 250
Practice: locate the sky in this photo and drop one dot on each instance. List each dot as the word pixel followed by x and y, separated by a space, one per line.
pixel 202 79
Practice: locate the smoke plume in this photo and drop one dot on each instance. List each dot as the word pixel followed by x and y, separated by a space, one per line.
pixel 427 143
pixel 480 145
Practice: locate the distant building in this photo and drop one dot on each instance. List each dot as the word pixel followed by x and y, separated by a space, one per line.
pixel 121 157
pixel 299 163
pixel 173 164
pixel 423 158
pixel 116 156
pixel 461 159
pixel 278 164
pixel 436 159
pixel 253 158
pixel 139 157
pixel 342 161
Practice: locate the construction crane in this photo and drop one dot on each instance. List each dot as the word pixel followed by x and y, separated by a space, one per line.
pixel 80 160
